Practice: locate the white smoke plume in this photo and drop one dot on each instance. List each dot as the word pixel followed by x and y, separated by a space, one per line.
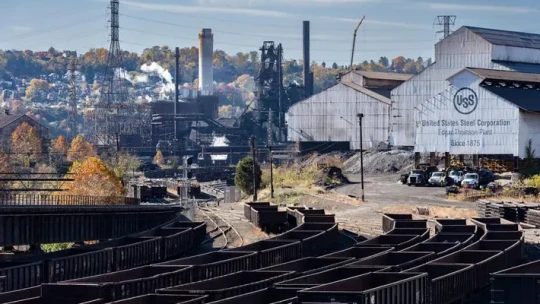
pixel 155 68
pixel 121 73
pixel 141 78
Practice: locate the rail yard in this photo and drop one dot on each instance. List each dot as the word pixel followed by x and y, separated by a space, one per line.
pixel 413 260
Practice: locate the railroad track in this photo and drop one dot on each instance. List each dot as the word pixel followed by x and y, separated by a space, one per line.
pixel 223 227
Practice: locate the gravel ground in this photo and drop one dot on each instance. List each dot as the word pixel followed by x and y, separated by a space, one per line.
pixel 382 194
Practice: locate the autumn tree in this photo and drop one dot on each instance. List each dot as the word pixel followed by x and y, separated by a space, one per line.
pixel 93 177
pixel 398 64
pixel 5 167
pixel 59 150
pixel 60 145
pixel 158 158
pixel 80 149
pixel 25 141
pixel 36 85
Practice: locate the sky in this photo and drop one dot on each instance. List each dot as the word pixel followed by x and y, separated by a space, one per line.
pixel 391 27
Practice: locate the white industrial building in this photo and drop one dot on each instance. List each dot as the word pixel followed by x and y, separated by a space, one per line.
pixel 432 92
pixel 483 111
pixel 331 116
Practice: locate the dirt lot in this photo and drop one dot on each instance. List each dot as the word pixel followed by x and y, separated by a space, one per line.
pixel 382 193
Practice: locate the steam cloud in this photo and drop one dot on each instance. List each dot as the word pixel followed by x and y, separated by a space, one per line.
pixel 155 68
pixel 123 74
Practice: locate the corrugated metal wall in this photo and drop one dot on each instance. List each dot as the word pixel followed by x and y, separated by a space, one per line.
pixel 460 50
pixel 529 126
pixel 318 118
pixel 491 128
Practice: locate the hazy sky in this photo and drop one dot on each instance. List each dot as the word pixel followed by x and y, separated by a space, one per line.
pixel 391 27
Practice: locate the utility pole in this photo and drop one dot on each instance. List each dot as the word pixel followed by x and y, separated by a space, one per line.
pixel 270 134
pixel 354 41
pixel 252 143
pixel 360 116
pixel 280 76
pixel 176 91
pixel 117 147
pixel 446 22
pixel 72 97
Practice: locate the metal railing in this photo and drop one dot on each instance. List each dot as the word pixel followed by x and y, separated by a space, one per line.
pixel 59 200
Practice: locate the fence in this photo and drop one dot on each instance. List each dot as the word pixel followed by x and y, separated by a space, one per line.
pixel 58 200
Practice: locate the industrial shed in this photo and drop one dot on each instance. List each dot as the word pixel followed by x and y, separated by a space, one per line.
pixel 467 47
pixel 331 116
pixel 484 112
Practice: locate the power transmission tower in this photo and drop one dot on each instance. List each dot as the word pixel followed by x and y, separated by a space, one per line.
pixel 446 22
pixel 72 120
pixel 113 112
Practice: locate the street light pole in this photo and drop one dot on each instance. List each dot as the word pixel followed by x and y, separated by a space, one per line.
pixel 360 116
pixel 271 172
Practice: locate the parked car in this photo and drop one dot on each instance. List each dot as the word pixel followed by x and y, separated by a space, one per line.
pixel 457 176
pixel 437 179
pixel 471 180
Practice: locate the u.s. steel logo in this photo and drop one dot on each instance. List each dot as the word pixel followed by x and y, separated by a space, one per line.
pixel 465 101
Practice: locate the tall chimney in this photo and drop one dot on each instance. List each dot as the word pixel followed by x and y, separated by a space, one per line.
pixel 307 61
pixel 206 54
pixel 176 92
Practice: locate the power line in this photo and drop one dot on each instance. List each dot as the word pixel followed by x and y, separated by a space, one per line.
pixel 391 40
pixel 273 25
pixel 253 46
pixel 234 33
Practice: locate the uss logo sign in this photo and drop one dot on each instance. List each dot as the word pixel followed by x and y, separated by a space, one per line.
pixel 465 101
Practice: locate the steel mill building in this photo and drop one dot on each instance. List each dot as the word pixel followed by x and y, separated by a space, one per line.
pixel 331 116
pixel 481 96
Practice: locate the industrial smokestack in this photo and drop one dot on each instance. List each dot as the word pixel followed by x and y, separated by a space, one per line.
pixel 176 90
pixel 307 62
pixel 206 54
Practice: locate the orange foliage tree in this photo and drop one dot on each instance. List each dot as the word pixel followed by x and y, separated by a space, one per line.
pixel 80 150
pixel 25 141
pixel 60 145
pixel 158 159
pixel 93 177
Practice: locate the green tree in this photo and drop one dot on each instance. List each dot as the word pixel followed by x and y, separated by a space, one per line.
pixel 125 163
pixel 244 175
pixel 384 62
pixel 334 66
pixel 530 163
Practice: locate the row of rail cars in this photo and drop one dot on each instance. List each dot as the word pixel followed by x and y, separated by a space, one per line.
pixel 305 265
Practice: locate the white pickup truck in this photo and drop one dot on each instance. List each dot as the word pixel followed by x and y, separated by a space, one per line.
pixel 437 179
pixel 471 180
